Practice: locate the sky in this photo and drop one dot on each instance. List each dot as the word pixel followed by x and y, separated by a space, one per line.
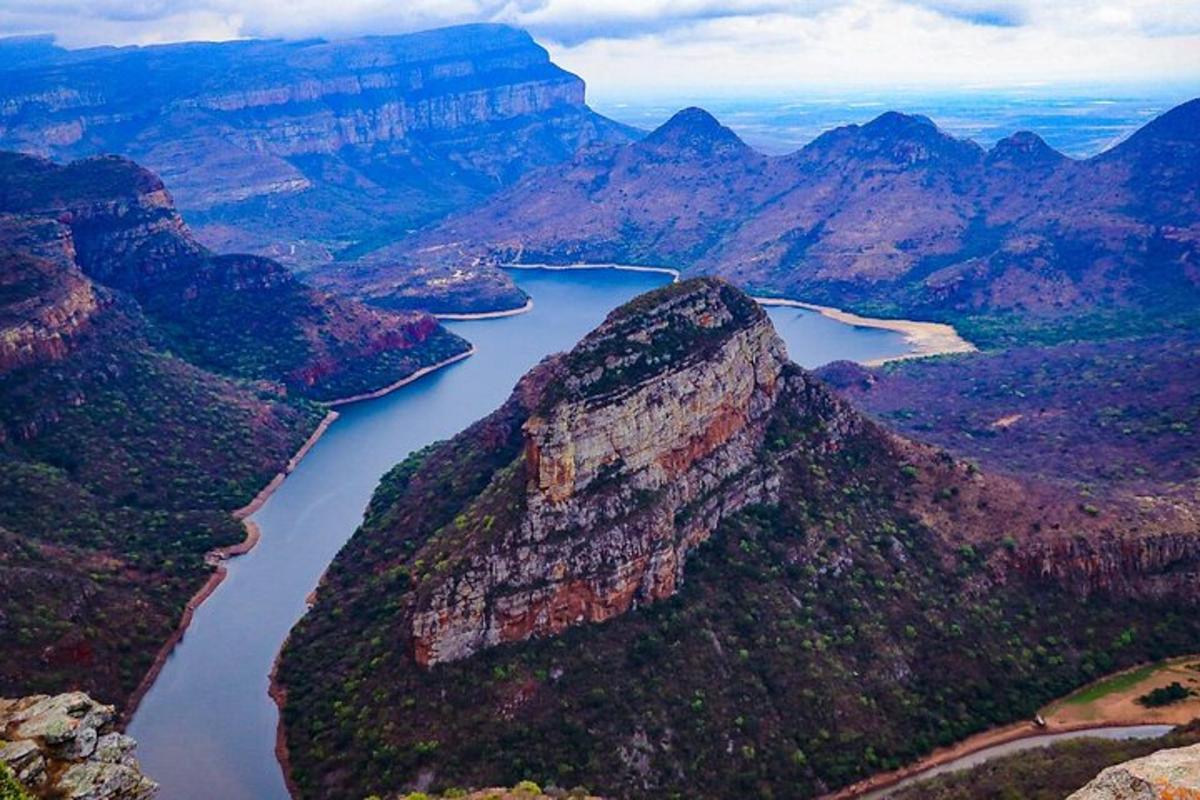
pixel 713 47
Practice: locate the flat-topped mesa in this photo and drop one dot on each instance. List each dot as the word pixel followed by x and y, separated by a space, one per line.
pixel 629 437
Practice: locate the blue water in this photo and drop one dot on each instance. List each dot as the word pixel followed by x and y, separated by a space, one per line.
pixel 207 727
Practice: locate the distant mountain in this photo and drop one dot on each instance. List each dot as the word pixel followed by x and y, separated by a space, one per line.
pixel 675 564
pixel 307 150
pixel 893 216
pixel 147 388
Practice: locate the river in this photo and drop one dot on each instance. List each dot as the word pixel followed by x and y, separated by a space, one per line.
pixel 206 729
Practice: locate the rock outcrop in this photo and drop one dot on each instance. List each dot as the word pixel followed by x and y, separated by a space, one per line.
pixel 643 421
pixel 1165 775
pixel 65 746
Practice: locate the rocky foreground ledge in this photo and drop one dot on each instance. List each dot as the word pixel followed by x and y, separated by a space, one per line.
pixel 65 747
pixel 1165 775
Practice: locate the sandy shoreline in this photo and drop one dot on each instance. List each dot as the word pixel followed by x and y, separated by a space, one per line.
pixel 925 338
pixel 674 273
pixel 421 373
pixel 511 312
pixel 218 556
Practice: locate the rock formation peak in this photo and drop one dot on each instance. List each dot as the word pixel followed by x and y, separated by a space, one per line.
pixel 662 403
pixel 1024 149
pixel 696 132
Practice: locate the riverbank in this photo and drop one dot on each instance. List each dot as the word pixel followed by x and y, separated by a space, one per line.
pixel 511 312
pixel 421 373
pixel 925 338
pixel 216 559
pixel 218 556
pixel 674 273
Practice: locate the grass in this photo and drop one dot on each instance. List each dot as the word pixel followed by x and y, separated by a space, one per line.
pixel 1117 683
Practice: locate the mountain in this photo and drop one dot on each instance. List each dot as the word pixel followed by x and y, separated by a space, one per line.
pixel 309 150
pixel 147 388
pixel 892 217
pixel 243 316
pixel 675 563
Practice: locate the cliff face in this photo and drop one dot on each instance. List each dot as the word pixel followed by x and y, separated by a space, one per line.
pixel 893 214
pixel 304 150
pixel 673 562
pixel 642 432
pixel 242 315
pixel 65 746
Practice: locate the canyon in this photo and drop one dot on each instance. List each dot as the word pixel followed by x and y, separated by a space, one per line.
pixel 314 151
pixel 148 388
pixel 543 596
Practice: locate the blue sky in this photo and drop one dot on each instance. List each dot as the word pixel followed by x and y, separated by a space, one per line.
pixel 660 47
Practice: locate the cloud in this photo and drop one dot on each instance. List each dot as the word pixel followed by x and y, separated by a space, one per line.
pixel 711 46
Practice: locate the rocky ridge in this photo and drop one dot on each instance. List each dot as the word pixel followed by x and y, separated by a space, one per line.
pixel 66 746
pixel 648 418
pixel 894 217
pixel 248 316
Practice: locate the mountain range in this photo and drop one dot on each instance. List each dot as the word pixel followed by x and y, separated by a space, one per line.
pixel 310 150
pixel 674 563
pixel 894 217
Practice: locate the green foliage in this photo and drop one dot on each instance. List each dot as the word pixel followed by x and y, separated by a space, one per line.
pixel 1173 692
pixel 10 789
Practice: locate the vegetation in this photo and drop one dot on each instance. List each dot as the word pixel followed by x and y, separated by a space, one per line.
pixel 814 642
pixel 118 469
pixel 1047 773
pixel 10 789
pixel 1173 692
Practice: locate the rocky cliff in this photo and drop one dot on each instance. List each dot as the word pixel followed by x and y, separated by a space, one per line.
pixel 305 150
pixel 645 419
pixel 674 562
pixel 1165 775
pixel 242 315
pixel 894 215
pixel 65 746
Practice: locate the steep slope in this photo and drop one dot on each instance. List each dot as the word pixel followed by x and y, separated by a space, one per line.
pixel 241 315
pixel 307 150
pixel 118 467
pixel 892 217
pixel 674 563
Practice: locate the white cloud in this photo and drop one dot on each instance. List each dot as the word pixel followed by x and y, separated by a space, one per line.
pixel 712 46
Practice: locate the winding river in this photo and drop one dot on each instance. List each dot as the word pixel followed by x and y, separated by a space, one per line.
pixel 206 729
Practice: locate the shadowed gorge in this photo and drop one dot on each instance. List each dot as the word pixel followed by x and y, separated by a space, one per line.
pixel 766 593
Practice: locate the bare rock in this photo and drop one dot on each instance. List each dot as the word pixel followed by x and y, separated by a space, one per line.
pixel 62 746
pixel 1165 775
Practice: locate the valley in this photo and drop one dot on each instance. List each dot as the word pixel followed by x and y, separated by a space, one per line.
pixel 380 420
